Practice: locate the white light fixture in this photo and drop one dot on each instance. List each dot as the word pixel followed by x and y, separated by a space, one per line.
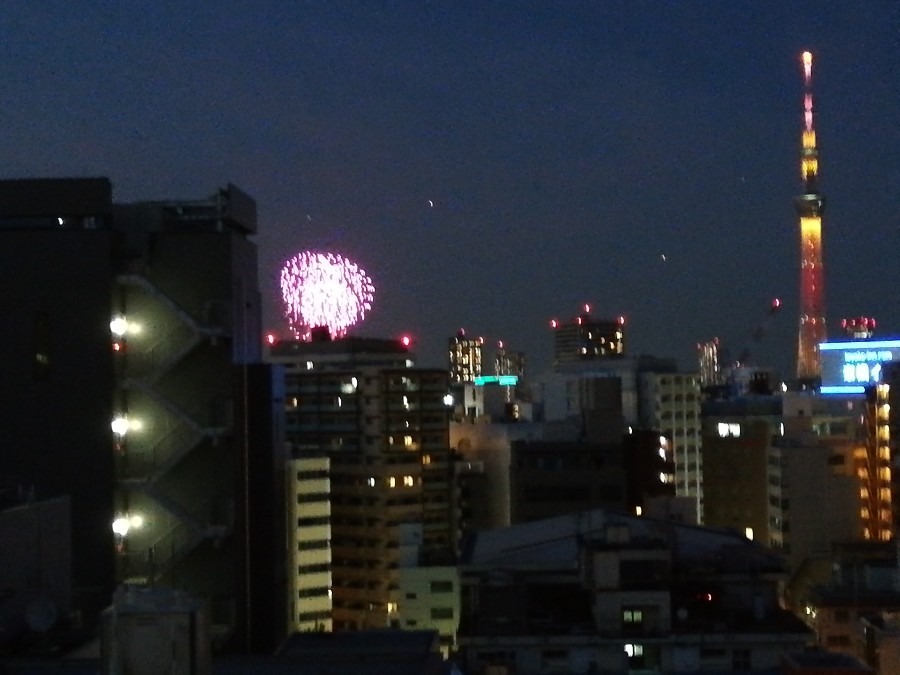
pixel 121 425
pixel 118 326
pixel 123 524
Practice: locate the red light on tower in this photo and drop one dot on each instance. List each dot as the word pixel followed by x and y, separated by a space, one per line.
pixel 270 338
pixel 406 340
pixel 587 309
pixel 554 323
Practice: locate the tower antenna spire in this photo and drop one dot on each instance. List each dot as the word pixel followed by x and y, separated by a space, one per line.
pixel 810 206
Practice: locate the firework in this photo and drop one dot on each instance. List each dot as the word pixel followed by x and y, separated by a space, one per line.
pixel 324 289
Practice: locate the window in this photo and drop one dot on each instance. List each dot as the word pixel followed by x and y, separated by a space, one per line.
pixel 313 616
pixel 42 345
pixel 441 612
pixel 740 659
pixel 632 616
pixel 310 522
pixel 726 429
pixel 312 545
pixel 635 655
pixel 312 592
pixel 312 569
pixel 441 586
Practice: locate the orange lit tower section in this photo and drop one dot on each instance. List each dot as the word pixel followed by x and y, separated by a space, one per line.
pixel 809 207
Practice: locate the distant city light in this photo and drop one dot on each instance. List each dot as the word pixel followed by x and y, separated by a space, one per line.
pixel 324 289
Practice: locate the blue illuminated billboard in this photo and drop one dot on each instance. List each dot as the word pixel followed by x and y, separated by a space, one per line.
pixel 849 367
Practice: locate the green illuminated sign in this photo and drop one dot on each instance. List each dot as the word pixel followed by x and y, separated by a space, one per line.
pixel 504 380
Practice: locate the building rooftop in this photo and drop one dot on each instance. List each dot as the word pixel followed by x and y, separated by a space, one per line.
pixel 819 660
pixel 555 542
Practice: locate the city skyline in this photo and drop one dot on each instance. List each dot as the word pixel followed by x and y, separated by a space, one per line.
pixel 493 167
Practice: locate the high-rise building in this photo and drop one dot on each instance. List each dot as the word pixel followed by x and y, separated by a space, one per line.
pixel 810 206
pixel 465 357
pixel 710 368
pixel 129 331
pixel 309 563
pixel 670 402
pixel 742 475
pixel 876 458
pixel 383 426
pixel 508 362
pixel 586 338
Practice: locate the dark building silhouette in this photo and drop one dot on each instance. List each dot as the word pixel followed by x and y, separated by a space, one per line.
pixel 126 332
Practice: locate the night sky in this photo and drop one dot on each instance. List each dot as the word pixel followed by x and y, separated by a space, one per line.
pixel 493 165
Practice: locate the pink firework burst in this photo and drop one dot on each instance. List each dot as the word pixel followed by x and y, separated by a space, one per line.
pixel 324 289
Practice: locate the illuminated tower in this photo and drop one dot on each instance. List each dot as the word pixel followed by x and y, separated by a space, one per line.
pixel 809 207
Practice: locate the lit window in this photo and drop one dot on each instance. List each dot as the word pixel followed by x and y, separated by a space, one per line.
pixel 408 481
pixel 726 429
pixel 392 482
pixel 634 650
pixel 632 616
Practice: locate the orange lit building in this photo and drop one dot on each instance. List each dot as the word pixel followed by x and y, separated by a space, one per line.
pixel 873 460
pixel 586 338
pixel 465 357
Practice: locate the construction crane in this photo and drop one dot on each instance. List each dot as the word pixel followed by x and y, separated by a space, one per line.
pixel 758 333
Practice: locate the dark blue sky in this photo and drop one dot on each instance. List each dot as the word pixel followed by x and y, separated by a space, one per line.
pixel 565 146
